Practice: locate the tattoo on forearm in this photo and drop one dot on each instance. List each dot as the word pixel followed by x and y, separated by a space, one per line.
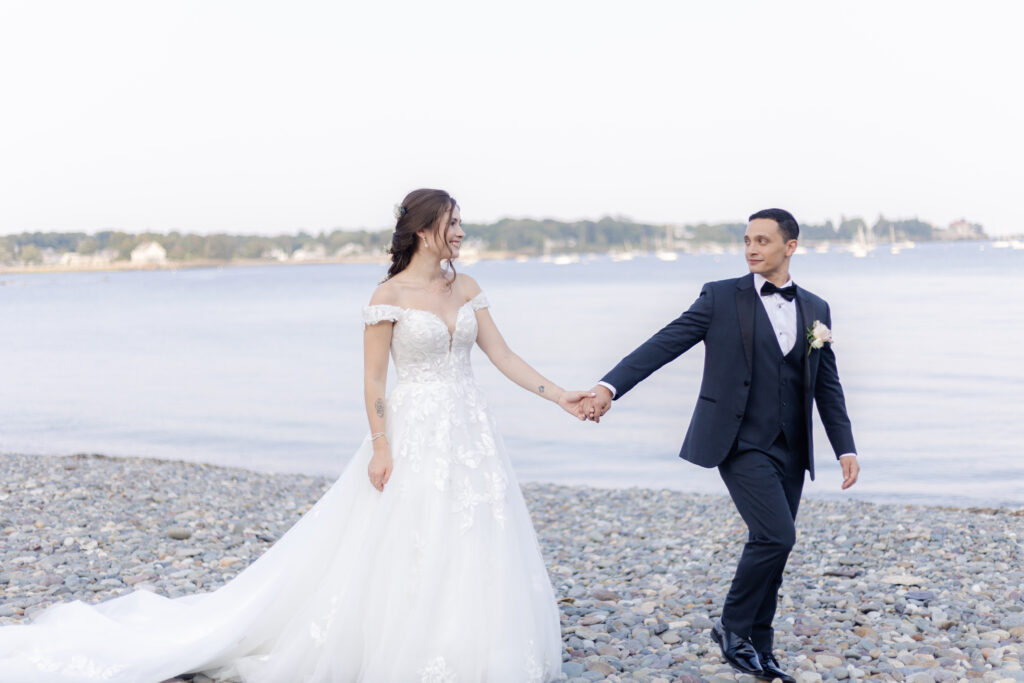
pixel 541 388
pixel 378 405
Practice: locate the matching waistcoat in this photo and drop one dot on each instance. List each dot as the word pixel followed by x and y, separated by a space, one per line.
pixel 776 398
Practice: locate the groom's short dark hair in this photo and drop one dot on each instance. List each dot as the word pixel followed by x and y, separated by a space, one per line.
pixel 787 224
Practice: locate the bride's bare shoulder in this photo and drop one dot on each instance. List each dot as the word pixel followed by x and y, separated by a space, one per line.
pixel 386 294
pixel 467 286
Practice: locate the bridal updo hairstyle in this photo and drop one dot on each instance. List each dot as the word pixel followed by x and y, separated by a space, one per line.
pixel 420 210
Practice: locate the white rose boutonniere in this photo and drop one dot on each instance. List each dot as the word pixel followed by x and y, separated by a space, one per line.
pixel 818 335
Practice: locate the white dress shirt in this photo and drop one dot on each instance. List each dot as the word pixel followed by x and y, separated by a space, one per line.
pixel 781 313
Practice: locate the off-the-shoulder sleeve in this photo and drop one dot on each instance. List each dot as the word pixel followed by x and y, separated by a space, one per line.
pixel 479 301
pixel 381 312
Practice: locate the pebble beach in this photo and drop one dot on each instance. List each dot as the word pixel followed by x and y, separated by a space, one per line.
pixel 884 592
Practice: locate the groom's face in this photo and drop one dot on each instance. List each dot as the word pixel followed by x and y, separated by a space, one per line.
pixel 767 251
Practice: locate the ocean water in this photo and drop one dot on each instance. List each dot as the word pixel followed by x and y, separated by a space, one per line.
pixel 261 367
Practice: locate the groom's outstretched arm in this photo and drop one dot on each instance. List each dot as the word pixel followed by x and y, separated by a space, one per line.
pixel 666 345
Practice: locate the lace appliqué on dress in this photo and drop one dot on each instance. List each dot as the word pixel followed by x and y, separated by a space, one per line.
pixel 78 665
pixel 466 497
pixel 318 630
pixel 380 312
pixel 437 671
pixel 531 667
pixel 479 301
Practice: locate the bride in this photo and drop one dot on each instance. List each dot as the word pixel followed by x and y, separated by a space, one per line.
pixel 430 571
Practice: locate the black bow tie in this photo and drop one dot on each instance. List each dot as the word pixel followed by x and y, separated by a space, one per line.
pixel 787 293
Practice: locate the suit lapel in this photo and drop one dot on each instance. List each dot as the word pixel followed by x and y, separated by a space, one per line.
pixel 746 297
pixel 804 320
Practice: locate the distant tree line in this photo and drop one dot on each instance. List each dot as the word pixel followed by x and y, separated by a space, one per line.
pixel 29 247
pixel 524 236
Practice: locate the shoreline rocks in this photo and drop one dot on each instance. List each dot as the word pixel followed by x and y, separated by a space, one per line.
pixel 886 592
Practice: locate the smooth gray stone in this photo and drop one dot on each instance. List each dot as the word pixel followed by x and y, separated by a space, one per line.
pixel 919 595
pixel 700 623
pixel 572 669
pixel 1012 621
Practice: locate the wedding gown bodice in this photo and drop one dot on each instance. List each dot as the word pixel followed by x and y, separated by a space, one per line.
pixel 423 348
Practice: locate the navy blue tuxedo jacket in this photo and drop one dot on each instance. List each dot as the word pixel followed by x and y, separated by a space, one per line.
pixel 723 318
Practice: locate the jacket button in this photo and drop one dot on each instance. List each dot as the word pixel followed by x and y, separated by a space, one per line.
pixel 739 416
pixel 746 382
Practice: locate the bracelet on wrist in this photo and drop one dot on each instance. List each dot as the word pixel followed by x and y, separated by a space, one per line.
pixel 374 437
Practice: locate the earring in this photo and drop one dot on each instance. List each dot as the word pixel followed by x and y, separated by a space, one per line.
pixel 425 245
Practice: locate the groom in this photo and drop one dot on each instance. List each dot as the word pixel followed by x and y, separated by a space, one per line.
pixel 763 368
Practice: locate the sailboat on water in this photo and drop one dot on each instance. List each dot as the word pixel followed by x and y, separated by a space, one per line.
pixel 861 247
pixel 666 253
pixel 896 247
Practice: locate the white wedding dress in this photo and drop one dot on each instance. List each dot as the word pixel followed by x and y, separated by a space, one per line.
pixel 437 579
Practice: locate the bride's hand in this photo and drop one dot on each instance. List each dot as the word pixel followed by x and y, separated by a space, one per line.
pixel 572 402
pixel 380 466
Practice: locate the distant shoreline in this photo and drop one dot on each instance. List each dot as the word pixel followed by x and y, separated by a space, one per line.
pixel 127 266
pixel 120 266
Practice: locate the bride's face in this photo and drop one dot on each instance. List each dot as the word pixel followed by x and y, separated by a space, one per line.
pixel 453 234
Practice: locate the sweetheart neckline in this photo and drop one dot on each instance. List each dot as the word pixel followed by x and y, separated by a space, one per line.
pixel 451 330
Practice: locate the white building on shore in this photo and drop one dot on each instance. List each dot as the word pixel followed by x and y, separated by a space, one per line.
pixel 95 260
pixel 275 254
pixel 148 254
pixel 314 252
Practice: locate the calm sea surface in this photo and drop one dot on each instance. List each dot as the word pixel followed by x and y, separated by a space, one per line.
pixel 261 367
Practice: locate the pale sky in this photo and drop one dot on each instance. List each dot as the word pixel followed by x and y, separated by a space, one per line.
pixel 273 117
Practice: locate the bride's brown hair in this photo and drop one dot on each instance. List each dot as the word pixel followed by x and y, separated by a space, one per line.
pixel 420 210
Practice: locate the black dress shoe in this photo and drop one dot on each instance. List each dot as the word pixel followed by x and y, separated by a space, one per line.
pixel 737 651
pixel 770 669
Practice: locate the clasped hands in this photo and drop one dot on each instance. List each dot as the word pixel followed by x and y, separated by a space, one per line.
pixel 587 405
